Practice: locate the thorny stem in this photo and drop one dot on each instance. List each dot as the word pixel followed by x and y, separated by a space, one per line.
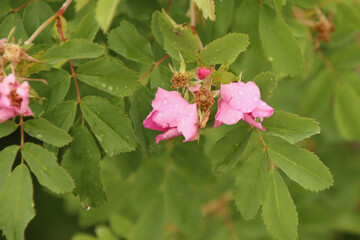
pixel 73 73
pixel 220 205
pixel 22 137
pixel 261 139
pixel 154 66
pixel 193 23
pixel 21 7
pixel 60 12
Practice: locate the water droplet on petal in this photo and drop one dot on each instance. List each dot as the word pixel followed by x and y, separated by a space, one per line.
pixel 255 99
pixel 176 105
pixel 233 120
pixel 263 103
pixel 241 93
pixel 165 101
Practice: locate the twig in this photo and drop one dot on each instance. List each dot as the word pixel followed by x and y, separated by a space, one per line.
pixel 21 7
pixel 261 139
pixel 328 64
pixel 168 6
pixel 22 137
pixel 154 66
pixel 60 12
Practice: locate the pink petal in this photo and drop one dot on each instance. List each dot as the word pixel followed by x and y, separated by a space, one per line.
pixel 8 84
pixel 150 124
pixel 226 114
pixel 241 96
pixel 250 120
pixel 202 73
pixel 188 123
pixel 262 110
pixel 171 133
pixel 195 88
pixel 6 113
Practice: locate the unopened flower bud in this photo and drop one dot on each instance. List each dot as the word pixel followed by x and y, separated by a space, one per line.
pixel 202 73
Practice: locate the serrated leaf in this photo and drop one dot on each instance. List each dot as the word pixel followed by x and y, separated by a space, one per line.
pixel 181 205
pixel 7 128
pixel 82 161
pixel 151 222
pixel 46 169
pixel 105 12
pixel 347 112
pixel 178 39
pixel 301 165
pixel 17 207
pixel 34 15
pixel 111 127
pixel 109 75
pixel 192 164
pixel 160 76
pixel 155 27
pixel 55 91
pixel 120 225
pixel 267 82
pixel 208 8
pixel 224 50
pixel 280 45
pixel 87 28
pixel 47 132
pixel 250 184
pixel 224 77
pixel 228 150
pixel 7 157
pixel 290 127
pixel 279 211
pixel 126 41
pixel 73 49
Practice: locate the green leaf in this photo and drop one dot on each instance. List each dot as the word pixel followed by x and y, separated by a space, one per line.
pixel 87 28
pixel 105 12
pixel 7 128
pixel 181 205
pixel 192 164
pixel 279 211
pixel 46 169
pixel 111 127
pixel 17 207
pixel 73 49
pixel 280 45
pixel 58 85
pixel 80 4
pixel 34 15
pixel 151 222
pixel 224 77
pixel 290 127
pixel 155 27
pixel 301 165
pixel 347 112
pixel 10 22
pixel 120 225
pixel 160 77
pixel 208 8
pixel 178 39
pixel 127 42
pixel 82 161
pixel 224 17
pixel 267 82
pixel 317 97
pixel 7 157
pixel 47 132
pixel 250 184
pixel 109 75
pixel 224 50
pixel 228 150
pixel 83 236
pixel 62 115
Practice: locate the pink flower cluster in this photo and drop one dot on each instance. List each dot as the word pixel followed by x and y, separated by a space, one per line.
pixel 14 98
pixel 174 116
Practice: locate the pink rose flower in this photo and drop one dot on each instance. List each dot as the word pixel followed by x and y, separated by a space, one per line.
pixel 14 98
pixel 241 101
pixel 202 73
pixel 173 115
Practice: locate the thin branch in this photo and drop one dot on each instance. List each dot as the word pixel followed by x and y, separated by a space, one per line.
pixel 21 7
pixel 60 12
pixel 168 6
pixel 261 139
pixel 22 136
pixel 328 64
pixel 154 66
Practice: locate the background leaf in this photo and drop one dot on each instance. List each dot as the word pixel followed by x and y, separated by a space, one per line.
pixel 82 161
pixel 208 8
pixel 266 82
pixel 105 12
pixel 7 157
pixel 7 128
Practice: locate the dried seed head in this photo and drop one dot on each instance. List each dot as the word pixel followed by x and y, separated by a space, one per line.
pixel 179 80
pixel 204 99
pixel 12 52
